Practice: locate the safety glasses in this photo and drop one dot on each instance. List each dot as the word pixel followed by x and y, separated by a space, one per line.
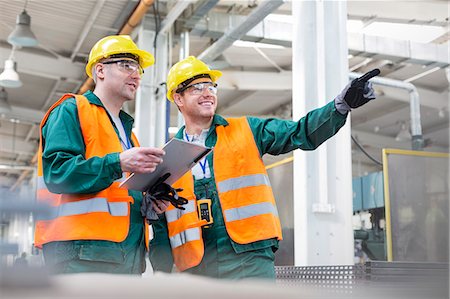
pixel 198 88
pixel 127 66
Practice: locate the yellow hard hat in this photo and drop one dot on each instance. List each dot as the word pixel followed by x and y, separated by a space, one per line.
pixel 117 44
pixel 186 69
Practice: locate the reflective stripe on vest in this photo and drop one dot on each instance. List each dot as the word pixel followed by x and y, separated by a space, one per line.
pixel 250 211
pixel 242 182
pixel 185 236
pixel 103 215
pixel 175 214
pixel 244 192
pixel 86 206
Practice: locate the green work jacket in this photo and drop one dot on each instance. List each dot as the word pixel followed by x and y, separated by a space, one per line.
pixel 223 257
pixel 67 171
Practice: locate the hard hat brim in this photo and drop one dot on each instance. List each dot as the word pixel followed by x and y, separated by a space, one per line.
pixel 146 59
pixel 214 74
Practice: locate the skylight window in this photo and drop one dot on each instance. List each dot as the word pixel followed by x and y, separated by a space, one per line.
pixel 246 44
pixel 412 32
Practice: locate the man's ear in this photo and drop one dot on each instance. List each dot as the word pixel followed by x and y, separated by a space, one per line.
pixel 100 70
pixel 177 99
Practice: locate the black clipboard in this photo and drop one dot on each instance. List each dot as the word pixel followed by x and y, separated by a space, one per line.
pixel 180 157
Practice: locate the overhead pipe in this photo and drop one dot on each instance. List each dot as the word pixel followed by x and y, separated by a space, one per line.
pixel 414 104
pixel 229 37
pixel 134 20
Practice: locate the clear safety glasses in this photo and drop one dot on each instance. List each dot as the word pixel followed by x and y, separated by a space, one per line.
pixel 198 88
pixel 127 66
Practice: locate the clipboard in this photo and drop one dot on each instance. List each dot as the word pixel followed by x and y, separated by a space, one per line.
pixel 180 157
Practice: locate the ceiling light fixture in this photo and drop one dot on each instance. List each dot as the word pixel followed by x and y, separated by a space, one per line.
pixel 4 105
pixel 9 77
pixel 403 134
pixel 22 35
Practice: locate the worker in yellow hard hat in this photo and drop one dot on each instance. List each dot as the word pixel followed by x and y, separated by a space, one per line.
pixel 86 149
pixel 230 227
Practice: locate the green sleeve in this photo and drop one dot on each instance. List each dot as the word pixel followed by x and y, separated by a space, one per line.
pixel 65 168
pixel 277 136
pixel 160 252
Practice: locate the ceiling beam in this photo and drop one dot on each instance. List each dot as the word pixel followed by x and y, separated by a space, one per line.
pixel 200 10
pixel 173 15
pixel 382 141
pixel 373 115
pixel 229 36
pixel 428 98
pixel 25 115
pixel 234 101
pixel 16 167
pixel 280 33
pixel 378 140
pixel 87 27
pixel 45 66
pixel 392 49
pixel 437 128
pixel 260 81
pixel 242 80
pixel 7 181
pixel 16 146
pixel 236 80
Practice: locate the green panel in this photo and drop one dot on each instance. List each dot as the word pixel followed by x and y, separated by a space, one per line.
pixel 372 191
pixel 357 194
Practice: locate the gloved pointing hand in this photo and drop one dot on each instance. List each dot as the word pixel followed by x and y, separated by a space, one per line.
pixel 356 93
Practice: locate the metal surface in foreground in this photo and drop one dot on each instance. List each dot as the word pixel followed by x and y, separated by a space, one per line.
pixel 372 280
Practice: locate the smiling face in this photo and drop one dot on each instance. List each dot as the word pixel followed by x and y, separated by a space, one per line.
pixel 198 101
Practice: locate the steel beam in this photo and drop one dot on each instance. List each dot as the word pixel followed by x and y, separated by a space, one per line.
pixel 48 67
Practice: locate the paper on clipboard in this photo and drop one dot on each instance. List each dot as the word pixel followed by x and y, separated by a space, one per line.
pixel 180 157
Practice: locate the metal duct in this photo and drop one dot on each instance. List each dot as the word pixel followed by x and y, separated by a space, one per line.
pixel 414 104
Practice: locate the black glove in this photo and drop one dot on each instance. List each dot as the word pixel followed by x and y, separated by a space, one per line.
pixel 161 191
pixel 357 93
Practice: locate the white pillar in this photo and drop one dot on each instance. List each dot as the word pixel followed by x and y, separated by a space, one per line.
pixel 184 53
pixel 150 115
pixel 160 75
pixel 322 178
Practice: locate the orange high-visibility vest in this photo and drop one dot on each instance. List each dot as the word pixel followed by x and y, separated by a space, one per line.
pixel 245 194
pixel 98 216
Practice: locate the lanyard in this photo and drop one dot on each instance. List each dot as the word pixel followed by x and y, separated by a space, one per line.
pixel 128 144
pixel 202 165
pixel 115 123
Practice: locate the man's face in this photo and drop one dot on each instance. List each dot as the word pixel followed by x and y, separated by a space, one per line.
pixel 122 76
pixel 199 99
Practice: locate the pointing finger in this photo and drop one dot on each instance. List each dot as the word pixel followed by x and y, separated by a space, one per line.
pixel 369 75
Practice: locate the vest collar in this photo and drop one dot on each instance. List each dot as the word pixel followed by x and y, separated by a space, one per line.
pixel 217 121
pixel 127 120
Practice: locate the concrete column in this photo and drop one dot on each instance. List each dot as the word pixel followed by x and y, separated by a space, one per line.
pixel 322 178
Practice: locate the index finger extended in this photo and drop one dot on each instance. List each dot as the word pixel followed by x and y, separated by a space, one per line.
pixel 369 75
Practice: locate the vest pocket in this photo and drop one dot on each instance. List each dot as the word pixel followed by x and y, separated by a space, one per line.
pixel 101 254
